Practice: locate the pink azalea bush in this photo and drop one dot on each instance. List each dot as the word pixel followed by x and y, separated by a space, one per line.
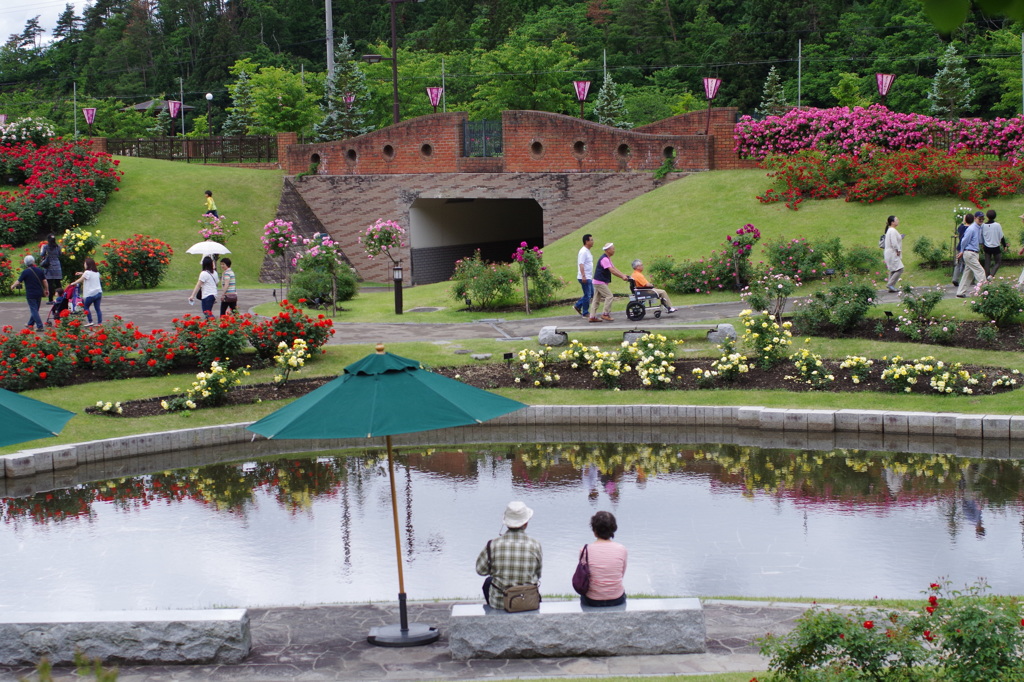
pixel 841 130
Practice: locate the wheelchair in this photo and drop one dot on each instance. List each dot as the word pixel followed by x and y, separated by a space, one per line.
pixel 640 300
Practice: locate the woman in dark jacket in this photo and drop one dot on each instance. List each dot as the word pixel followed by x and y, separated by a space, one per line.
pixel 49 259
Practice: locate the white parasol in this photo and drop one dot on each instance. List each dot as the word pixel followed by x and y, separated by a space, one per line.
pixel 208 248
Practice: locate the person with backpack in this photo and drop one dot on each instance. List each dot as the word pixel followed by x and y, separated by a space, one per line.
pixel 34 280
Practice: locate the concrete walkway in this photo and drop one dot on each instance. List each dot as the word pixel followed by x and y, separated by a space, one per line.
pixel 156 310
pixel 315 643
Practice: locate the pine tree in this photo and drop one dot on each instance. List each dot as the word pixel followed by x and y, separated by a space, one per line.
pixel 773 101
pixel 609 107
pixel 344 119
pixel 240 116
pixel 951 92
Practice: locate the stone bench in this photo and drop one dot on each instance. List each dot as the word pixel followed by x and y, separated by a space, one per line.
pixel 558 335
pixel 193 636
pixel 565 628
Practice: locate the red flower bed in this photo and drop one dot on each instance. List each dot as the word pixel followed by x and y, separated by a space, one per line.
pixel 63 184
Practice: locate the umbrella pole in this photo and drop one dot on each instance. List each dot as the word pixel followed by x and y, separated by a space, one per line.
pixel 398 538
pixel 403 634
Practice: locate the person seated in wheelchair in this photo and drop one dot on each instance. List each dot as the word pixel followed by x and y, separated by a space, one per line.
pixel 642 283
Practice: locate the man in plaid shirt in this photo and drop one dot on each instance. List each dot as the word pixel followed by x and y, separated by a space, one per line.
pixel 515 558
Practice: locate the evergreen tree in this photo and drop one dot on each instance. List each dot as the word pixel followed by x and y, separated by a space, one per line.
pixel 609 107
pixel 344 119
pixel 951 93
pixel 773 101
pixel 240 116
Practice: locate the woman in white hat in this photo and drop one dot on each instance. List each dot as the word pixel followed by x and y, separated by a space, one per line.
pixel 513 558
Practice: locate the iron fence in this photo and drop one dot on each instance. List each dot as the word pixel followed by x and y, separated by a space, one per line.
pixel 243 149
pixel 482 139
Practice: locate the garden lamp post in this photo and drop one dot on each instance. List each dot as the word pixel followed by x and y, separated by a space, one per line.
pixel 711 86
pixel 434 93
pixel 90 116
pixel 396 276
pixel 884 81
pixel 209 101
pixel 374 58
pixel 582 88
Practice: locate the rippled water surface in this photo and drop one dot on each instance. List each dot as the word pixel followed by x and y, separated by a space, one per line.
pixel 711 520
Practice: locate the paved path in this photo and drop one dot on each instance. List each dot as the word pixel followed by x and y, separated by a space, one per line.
pixel 156 310
pixel 315 643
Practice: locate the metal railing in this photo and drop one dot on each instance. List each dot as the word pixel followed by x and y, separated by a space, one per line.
pixel 482 139
pixel 242 149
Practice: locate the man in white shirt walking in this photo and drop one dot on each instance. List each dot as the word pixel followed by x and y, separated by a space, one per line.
pixel 585 275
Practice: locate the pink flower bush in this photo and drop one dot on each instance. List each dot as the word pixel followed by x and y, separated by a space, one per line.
pixel 278 236
pixel 381 237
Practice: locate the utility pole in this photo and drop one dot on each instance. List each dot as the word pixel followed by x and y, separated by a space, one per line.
pixel 329 12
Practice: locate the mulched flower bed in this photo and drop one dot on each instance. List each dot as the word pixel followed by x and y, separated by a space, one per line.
pixel 243 395
pixel 1008 338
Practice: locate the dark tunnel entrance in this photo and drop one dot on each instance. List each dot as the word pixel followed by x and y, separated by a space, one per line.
pixel 442 231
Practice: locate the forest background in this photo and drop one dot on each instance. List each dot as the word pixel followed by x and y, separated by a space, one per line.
pixel 496 55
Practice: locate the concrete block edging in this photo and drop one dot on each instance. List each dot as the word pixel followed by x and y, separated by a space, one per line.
pixel 875 422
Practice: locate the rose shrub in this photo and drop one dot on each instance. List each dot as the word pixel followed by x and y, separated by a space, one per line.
pixel 139 262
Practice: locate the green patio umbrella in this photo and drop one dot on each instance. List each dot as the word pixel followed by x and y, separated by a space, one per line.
pixel 23 418
pixel 386 395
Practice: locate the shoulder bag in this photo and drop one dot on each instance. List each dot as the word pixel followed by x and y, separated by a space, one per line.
pixel 581 578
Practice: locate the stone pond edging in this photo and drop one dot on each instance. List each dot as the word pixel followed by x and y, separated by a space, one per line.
pixel 962 434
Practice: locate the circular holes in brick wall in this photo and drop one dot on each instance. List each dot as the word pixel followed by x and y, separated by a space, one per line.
pixel 537 149
pixel 668 152
pixel 351 155
pixel 579 148
pixel 389 152
pixel 427 150
pixel 623 151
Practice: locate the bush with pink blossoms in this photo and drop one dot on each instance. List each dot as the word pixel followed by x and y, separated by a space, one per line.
pixel 728 269
pixel 278 236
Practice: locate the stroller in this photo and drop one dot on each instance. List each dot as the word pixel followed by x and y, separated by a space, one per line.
pixel 69 300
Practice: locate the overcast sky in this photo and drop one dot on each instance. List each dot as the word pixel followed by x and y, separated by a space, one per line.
pixel 14 14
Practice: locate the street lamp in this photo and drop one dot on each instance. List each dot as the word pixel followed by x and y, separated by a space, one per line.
pixel 884 81
pixel 374 58
pixel 434 93
pixel 209 100
pixel 396 276
pixel 711 86
pixel 582 88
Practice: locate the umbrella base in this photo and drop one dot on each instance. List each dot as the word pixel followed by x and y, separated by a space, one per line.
pixel 418 634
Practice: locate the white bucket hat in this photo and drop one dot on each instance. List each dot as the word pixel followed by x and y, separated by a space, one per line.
pixel 516 515
pixel 608 246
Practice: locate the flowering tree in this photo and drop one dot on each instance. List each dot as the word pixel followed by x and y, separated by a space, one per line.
pixel 278 236
pixel 381 238
pixel 324 273
pixel 531 267
pixel 212 228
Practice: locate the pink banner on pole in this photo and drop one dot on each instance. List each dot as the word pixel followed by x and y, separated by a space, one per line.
pixel 582 88
pixel 434 93
pixel 884 81
pixel 173 107
pixel 349 98
pixel 711 86
pixel 90 114
pixel 3 119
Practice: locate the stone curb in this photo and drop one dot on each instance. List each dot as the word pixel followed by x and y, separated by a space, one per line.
pixel 875 429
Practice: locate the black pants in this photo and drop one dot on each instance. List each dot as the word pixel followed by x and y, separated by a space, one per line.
pixel 993 259
pixel 54 288
pixel 602 602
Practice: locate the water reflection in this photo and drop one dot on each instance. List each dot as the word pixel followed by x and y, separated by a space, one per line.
pixel 721 520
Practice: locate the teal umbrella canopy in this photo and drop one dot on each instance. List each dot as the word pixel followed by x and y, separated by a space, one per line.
pixel 23 418
pixel 383 395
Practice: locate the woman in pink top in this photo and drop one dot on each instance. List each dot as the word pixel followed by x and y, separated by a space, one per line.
pixel 607 560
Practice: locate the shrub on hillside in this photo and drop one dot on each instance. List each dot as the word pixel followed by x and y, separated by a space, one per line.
pixel 729 268
pixel 139 262
pixel 483 285
pixel 998 300
pixel 795 258
pixel 933 256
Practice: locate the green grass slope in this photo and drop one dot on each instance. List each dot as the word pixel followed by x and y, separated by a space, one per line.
pixel 164 199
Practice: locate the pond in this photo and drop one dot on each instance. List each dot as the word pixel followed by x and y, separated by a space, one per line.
pixel 704 520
